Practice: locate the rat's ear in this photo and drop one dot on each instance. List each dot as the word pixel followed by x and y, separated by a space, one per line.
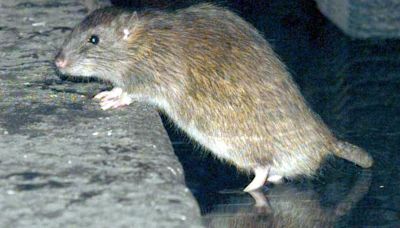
pixel 130 24
pixel 134 18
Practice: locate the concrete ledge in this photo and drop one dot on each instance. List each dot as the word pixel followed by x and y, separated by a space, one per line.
pixel 63 161
pixel 364 19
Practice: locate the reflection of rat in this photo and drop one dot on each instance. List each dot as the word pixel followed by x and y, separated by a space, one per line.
pixel 216 77
pixel 289 206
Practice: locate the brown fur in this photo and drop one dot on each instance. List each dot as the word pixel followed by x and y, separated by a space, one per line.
pixel 217 78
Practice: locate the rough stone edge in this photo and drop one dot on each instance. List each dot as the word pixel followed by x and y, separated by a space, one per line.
pixel 344 15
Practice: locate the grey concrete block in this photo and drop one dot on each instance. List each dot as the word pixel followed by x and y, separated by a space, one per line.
pixel 63 161
pixel 364 18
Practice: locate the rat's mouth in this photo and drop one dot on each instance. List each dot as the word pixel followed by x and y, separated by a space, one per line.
pixel 61 73
pixel 78 71
pixel 72 70
pixel 78 79
pixel 65 74
pixel 61 76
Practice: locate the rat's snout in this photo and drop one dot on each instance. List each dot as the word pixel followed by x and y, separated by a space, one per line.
pixel 60 61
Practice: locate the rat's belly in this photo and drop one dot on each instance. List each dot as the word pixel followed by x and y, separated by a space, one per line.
pixel 216 144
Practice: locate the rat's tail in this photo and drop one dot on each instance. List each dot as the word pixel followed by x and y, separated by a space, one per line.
pixel 352 153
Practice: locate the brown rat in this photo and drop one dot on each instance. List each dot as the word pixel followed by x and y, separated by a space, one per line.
pixel 216 77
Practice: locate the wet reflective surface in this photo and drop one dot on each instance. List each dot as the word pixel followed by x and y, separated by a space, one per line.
pixel 355 86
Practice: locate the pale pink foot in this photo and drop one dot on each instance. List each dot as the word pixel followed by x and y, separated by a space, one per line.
pixel 261 175
pixel 276 179
pixel 112 94
pixel 113 99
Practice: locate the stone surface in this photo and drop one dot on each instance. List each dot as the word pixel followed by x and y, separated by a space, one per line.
pixel 364 18
pixel 63 161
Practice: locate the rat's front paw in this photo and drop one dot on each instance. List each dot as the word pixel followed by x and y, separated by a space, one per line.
pixel 113 99
pixel 108 95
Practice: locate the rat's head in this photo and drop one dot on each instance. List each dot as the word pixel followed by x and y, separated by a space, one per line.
pixel 98 47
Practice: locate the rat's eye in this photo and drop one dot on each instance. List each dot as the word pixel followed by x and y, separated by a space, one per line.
pixel 94 39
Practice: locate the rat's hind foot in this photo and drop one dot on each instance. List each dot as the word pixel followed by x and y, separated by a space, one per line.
pixel 113 99
pixel 276 179
pixel 261 175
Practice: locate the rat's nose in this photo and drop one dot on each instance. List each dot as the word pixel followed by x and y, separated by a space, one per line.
pixel 61 61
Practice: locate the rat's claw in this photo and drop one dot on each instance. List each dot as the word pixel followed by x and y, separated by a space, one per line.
pixel 106 105
pixel 122 100
pixel 108 95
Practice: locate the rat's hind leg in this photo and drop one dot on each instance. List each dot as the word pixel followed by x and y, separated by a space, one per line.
pixel 113 99
pixel 261 174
